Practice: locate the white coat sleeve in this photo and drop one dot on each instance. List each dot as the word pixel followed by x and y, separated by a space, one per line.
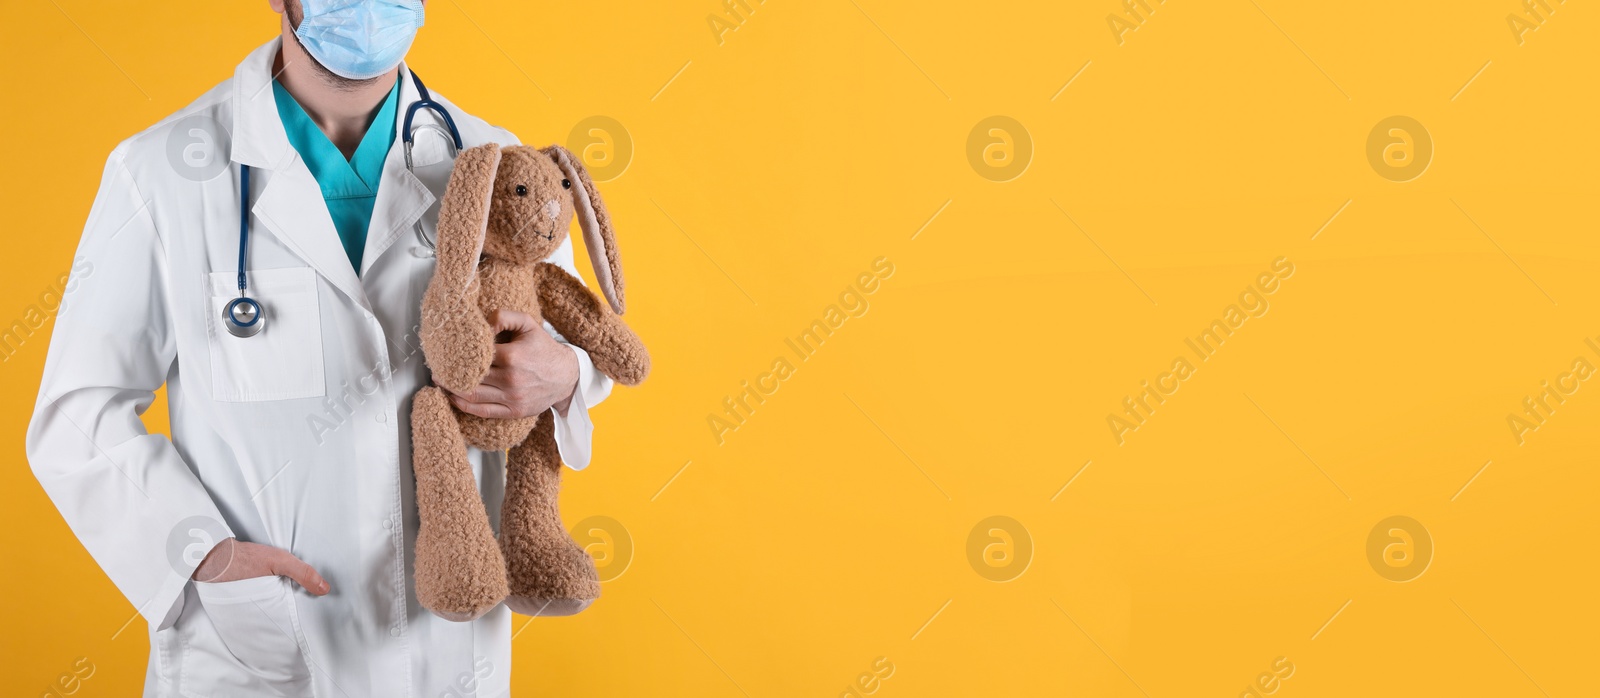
pixel 128 496
pixel 574 431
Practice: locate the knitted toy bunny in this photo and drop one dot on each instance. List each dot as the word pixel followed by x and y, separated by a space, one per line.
pixel 504 211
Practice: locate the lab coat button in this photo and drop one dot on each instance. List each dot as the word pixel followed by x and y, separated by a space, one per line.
pixel 388 524
pixel 382 418
pixel 394 631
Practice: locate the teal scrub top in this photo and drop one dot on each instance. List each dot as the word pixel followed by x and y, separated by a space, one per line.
pixel 349 187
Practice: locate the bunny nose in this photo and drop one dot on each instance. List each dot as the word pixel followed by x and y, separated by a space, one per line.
pixel 552 208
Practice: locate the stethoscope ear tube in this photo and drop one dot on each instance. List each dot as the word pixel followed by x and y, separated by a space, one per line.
pixel 243 316
pixel 425 247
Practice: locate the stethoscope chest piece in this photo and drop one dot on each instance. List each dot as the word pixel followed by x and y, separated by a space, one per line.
pixel 243 317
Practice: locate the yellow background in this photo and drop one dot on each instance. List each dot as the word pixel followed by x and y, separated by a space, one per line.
pixel 819 136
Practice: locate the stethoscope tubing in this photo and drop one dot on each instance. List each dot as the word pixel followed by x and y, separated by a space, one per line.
pixel 252 308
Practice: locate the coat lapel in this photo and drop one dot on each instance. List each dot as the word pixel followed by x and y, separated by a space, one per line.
pixel 290 205
pixel 402 198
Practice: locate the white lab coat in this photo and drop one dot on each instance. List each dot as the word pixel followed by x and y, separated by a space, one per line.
pixel 298 437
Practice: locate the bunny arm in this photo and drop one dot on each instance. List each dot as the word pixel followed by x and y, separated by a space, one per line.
pixel 585 321
pixel 457 340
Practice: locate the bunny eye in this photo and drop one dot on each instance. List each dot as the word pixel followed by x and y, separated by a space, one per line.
pixel 566 184
pixel 522 190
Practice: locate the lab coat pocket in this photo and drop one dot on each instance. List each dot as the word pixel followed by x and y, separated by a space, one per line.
pixel 284 360
pixel 257 624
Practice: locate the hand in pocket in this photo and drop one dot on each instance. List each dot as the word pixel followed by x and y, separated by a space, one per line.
pixel 233 560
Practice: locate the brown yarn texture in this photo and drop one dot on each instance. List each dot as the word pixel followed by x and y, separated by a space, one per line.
pixel 495 228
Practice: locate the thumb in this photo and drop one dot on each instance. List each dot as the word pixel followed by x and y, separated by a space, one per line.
pixel 506 320
pixel 285 564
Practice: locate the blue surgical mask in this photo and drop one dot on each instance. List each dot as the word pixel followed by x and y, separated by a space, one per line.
pixel 359 39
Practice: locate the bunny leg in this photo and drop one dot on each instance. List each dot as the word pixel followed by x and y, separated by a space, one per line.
pixel 459 572
pixel 549 575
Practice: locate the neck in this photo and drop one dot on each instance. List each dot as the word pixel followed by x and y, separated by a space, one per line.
pixel 341 107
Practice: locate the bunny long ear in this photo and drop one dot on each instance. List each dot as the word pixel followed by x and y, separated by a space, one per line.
pixel 598 235
pixel 464 217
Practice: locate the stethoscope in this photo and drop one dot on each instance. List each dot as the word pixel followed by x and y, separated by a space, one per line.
pixel 244 316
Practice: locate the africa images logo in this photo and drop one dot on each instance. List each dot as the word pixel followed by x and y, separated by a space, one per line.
pixel 604 146
pixel 999 548
pixel 999 149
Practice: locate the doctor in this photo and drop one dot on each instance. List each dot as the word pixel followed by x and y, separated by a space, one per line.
pixel 268 543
